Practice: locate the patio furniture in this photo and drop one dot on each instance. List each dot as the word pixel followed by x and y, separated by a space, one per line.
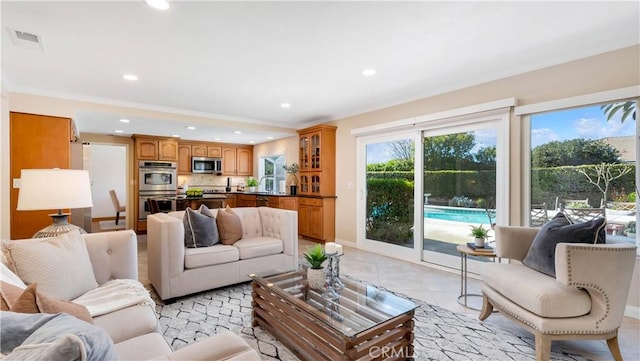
pixel 585 300
pixel 578 215
pixel 562 203
pixel 539 214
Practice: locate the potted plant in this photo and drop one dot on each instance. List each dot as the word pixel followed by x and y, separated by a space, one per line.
pixel 631 229
pixel 292 178
pixel 479 234
pixel 252 183
pixel 315 256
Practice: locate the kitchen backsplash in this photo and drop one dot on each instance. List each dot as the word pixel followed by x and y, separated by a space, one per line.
pixel 209 180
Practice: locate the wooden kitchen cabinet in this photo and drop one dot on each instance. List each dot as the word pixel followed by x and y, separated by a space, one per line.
pixel 317 160
pixel 244 161
pixel 184 159
pixel 155 148
pixel 228 161
pixel 204 150
pixel 316 219
pixel 231 200
pixel 199 150
pixel 246 200
pixel 214 152
pixel 290 203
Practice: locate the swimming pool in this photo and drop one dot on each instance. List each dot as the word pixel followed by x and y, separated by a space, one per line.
pixel 456 214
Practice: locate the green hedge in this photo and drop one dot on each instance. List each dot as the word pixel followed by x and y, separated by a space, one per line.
pixel 390 210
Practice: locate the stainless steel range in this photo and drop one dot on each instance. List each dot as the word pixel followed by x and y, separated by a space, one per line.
pixel 157 180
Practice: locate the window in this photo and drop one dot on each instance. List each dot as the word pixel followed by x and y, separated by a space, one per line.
pixel 585 158
pixel 272 174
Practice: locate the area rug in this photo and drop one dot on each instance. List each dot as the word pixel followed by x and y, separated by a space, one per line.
pixel 439 334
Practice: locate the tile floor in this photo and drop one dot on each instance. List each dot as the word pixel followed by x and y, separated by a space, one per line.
pixel 442 288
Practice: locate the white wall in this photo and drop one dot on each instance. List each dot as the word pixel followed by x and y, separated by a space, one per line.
pixel 108 171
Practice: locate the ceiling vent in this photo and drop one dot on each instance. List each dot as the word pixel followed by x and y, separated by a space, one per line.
pixel 26 40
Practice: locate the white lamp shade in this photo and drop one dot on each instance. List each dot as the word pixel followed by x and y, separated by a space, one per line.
pixel 54 189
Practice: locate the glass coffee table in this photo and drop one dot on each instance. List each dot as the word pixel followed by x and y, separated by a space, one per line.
pixel 363 322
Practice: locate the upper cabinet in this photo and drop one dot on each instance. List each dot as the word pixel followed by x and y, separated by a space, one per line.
pixel 244 161
pixel 228 161
pixel 317 160
pixel 184 159
pixel 154 148
pixel 204 150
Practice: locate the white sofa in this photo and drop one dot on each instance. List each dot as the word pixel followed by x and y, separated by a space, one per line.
pixel 269 245
pixel 134 329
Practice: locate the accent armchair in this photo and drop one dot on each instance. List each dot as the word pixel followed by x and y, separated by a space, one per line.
pixel 586 299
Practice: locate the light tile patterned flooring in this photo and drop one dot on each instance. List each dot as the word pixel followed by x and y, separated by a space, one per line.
pixel 442 288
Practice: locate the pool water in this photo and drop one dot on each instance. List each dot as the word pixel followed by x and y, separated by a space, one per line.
pixel 463 215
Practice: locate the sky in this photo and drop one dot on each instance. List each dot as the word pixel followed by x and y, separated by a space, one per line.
pixel 586 122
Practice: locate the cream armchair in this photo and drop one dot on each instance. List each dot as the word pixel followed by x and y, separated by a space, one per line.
pixel 586 299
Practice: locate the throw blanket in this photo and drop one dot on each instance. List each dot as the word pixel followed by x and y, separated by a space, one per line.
pixel 115 295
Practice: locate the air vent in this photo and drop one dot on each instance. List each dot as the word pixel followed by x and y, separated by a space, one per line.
pixel 26 40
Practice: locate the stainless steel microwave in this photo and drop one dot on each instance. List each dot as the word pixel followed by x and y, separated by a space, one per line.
pixel 206 165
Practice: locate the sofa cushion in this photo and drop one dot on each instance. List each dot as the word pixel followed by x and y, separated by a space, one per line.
pixel 251 222
pixel 200 229
pixel 66 348
pixel 207 256
pixel 541 255
pixel 258 247
pixel 32 300
pixel 229 226
pixel 60 265
pixel 540 294
pixel 128 322
pixel 144 347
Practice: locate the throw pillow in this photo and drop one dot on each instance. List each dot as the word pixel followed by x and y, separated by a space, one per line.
pixel 67 348
pixel 541 255
pixel 200 228
pixel 60 265
pixel 10 277
pixel 23 329
pixel 229 226
pixel 31 300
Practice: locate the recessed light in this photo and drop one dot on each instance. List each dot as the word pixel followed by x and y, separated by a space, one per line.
pixel 158 4
pixel 125 121
pixel 252 142
pixel 129 77
pixel 216 138
pixel 269 137
pixel 237 132
pixel 190 127
pixel 369 72
pixel 285 105
pixel 175 135
pixel 118 131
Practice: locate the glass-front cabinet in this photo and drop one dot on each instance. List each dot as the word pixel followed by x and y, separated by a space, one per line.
pixel 317 161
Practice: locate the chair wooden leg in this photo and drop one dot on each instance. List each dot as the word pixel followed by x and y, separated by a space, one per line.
pixel 117 217
pixel 487 308
pixel 543 347
pixel 614 348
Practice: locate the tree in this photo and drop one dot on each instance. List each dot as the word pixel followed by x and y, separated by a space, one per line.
pixel 603 173
pixel 486 157
pixel 574 152
pixel 451 151
pixel 628 109
pixel 401 149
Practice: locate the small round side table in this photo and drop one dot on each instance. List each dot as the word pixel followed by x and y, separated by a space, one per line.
pixel 466 251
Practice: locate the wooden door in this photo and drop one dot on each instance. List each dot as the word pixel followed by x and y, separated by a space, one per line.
pixel 303 152
pixel 244 164
pixel 168 150
pixel 231 200
pixel 290 203
pixel 316 225
pixel 304 218
pixel 229 161
pixel 36 141
pixel 184 159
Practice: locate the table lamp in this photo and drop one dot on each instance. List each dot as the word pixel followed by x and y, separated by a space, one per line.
pixel 56 188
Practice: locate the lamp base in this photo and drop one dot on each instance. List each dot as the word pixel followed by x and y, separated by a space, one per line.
pixel 59 226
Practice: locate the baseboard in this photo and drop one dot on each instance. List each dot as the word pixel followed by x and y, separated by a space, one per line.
pixel 632 311
pixel 346 243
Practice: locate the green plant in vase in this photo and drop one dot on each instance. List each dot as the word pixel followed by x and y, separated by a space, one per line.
pixel 480 234
pixel 315 256
pixel 252 183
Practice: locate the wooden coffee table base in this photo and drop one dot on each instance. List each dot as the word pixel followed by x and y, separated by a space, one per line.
pixel 309 338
